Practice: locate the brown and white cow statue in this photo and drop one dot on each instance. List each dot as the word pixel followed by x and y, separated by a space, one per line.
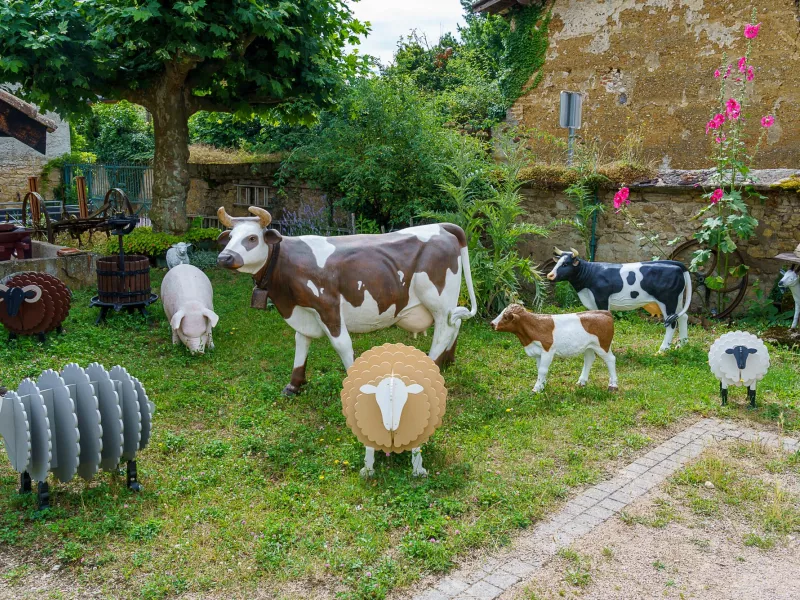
pixel 547 336
pixel 334 286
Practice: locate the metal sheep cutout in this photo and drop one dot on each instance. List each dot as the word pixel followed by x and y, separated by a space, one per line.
pixel 33 304
pixel 75 422
pixel 738 358
pixel 394 399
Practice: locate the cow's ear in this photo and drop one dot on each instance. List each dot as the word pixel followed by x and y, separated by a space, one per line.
pixel 224 238
pixel 729 351
pixel 272 237
pixel 751 350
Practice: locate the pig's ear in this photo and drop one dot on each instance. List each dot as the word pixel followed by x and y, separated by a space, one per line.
pixel 175 322
pixel 211 316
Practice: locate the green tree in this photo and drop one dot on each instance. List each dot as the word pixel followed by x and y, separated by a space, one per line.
pixel 175 59
pixel 117 133
pixel 380 153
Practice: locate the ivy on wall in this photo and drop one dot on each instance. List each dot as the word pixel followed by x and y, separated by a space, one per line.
pixel 525 49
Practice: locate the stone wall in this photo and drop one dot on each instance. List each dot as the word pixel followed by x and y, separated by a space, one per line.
pixel 667 208
pixel 18 161
pixel 650 64
pixel 212 186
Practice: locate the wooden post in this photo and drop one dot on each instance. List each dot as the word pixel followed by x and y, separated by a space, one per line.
pixel 83 206
pixel 33 184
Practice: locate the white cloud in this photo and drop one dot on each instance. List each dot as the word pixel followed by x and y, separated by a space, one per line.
pixel 393 19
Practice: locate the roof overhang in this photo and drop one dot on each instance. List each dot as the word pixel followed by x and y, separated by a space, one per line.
pixel 494 7
pixel 22 121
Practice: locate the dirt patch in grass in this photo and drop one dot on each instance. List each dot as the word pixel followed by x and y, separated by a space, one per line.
pixel 726 526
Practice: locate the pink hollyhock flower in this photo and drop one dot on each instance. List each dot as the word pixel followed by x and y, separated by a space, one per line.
pixel 742 64
pixel 733 109
pixel 717 74
pixel 721 139
pixel 727 72
pixel 751 73
pixel 716 195
pixel 715 123
pixel 751 31
pixel 768 121
pixel 622 197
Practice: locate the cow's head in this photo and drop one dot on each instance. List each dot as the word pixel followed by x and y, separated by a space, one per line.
pixel 508 320
pixel 391 395
pixel 741 354
pixel 566 265
pixel 248 243
pixel 13 297
pixel 789 279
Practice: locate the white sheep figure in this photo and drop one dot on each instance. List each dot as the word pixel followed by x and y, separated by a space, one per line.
pixel 738 359
pixel 178 254
pixel 391 394
pixel 791 281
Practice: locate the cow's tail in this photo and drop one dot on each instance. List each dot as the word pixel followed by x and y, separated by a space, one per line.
pixel 687 288
pixel 461 313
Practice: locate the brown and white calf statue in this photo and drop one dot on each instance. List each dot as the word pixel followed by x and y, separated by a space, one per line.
pixel 334 286
pixel 544 337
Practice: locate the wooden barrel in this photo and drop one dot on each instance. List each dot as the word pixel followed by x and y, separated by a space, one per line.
pixel 130 286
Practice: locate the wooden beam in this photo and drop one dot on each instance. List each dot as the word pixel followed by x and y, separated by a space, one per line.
pixel 15 123
pixel 497 6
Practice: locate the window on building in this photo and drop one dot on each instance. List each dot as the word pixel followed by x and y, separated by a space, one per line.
pixel 252 195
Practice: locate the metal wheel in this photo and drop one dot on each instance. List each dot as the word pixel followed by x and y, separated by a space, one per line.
pixel 116 201
pixel 714 304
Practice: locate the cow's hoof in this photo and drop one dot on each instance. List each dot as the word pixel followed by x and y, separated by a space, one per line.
pixel 613 388
pixel 582 383
pixel 366 473
pixel 290 390
pixel 538 390
pixel 420 472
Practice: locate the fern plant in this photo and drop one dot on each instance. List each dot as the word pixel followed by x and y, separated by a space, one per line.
pixel 484 199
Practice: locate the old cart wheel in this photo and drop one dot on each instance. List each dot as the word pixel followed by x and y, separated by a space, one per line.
pixel 116 200
pixel 34 203
pixel 715 304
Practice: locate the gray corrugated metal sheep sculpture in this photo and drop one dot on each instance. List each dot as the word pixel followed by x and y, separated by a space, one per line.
pixel 76 421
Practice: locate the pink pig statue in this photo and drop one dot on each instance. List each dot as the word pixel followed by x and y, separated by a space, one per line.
pixel 189 304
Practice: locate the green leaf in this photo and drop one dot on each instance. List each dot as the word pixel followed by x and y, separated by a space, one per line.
pixel 715 283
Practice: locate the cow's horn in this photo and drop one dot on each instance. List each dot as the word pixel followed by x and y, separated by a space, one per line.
pixel 262 215
pixel 224 217
pixel 574 252
pixel 558 251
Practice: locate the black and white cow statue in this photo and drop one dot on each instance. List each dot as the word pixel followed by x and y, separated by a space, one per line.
pixel 610 286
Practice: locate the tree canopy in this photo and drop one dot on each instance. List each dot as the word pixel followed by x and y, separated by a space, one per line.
pixel 175 59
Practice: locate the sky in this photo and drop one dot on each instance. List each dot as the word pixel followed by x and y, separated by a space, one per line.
pixel 393 19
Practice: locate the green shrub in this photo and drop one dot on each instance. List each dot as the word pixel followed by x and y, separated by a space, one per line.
pixel 143 240
pixel 485 201
pixel 203 259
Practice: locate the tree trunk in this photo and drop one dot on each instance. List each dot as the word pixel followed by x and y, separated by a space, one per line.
pixel 170 171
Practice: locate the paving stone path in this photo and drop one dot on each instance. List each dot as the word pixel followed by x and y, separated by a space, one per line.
pixel 500 573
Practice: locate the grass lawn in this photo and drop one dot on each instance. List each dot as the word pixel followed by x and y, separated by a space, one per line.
pixel 246 489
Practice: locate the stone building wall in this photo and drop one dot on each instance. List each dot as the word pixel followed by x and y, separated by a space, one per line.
pixel 650 64
pixel 667 210
pixel 212 186
pixel 18 161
